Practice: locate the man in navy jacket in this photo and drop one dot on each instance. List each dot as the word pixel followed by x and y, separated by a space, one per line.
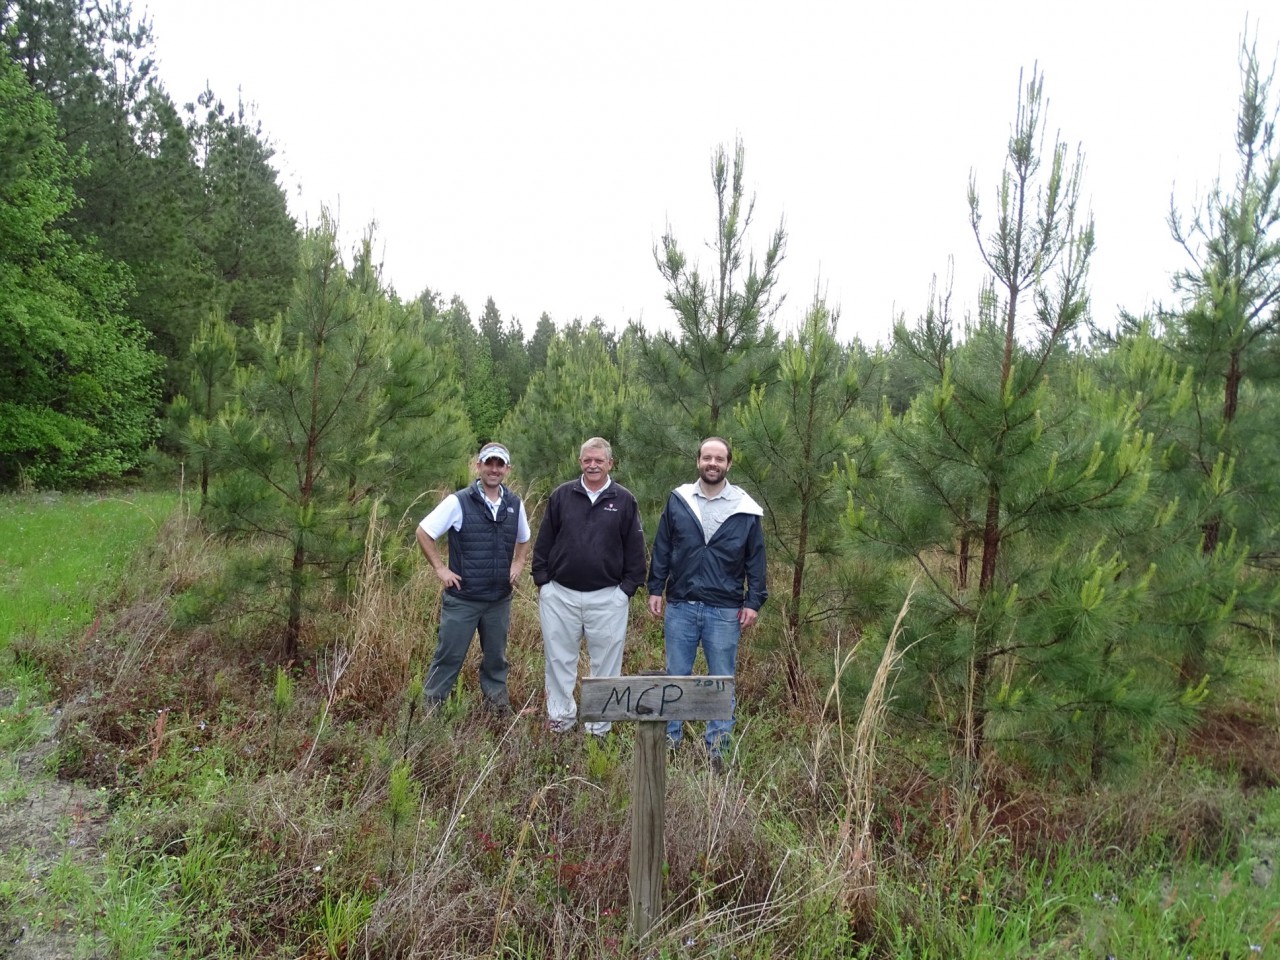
pixel 708 559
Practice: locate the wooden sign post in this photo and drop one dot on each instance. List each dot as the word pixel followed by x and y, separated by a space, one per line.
pixel 653 701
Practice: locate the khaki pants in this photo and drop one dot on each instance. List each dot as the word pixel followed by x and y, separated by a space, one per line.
pixel 567 616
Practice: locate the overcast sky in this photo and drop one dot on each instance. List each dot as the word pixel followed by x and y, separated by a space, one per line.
pixel 536 152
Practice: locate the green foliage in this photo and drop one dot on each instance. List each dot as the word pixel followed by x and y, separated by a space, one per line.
pixel 505 814
pixel 540 343
pixel 511 359
pixel 343 404
pixel 77 384
pixel 134 922
pixel 723 345
pixel 403 795
pixel 212 362
pixel 139 188
pixel 186 199
pixel 795 436
pixel 1013 461
pixel 341 918
pixel 281 703
pixel 484 398
pixel 1220 457
pixel 250 240
pixel 578 394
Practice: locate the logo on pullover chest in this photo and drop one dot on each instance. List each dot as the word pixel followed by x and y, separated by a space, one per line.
pixel 610 507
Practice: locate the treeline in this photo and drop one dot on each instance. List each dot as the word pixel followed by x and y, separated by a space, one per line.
pixel 1082 516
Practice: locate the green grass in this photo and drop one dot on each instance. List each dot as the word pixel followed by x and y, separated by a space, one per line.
pixel 59 552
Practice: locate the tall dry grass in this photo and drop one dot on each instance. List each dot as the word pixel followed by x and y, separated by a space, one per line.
pixel 853 850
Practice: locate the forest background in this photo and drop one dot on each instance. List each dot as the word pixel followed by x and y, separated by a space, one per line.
pixel 1029 559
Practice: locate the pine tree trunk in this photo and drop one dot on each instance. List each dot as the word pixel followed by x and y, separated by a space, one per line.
pixel 982 658
pixel 793 615
pixel 293 628
pixel 1192 667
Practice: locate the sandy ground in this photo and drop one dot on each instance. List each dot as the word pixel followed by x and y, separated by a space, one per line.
pixel 43 819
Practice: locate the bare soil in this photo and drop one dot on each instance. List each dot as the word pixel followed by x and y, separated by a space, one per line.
pixel 43 819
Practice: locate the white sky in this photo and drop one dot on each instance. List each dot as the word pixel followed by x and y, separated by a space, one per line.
pixel 535 151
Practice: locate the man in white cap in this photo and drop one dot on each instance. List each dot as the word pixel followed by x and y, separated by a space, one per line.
pixel 488 541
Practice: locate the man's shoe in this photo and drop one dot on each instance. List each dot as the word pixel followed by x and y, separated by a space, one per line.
pixel 561 726
pixel 719 766
pixel 498 709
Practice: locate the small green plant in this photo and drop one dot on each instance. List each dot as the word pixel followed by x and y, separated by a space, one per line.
pixel 604 754
pixel 137 919
pixel 68 883
pixel 341 918
pixel 24 719
pixel 402 800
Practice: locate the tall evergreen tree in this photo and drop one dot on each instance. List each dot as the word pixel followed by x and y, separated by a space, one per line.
pixel 249 236
pixel 344 405
pixel 475 362
pixel 576 395
pixel 78 386
pixel 1226 333
pixel 540 343
pixel 507 350
pixel 794 436
pixel 723 345
pixel 1016 457
pixel 211 361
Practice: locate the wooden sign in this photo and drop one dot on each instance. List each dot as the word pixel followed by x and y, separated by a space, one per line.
pixel 656 698
pixel 654 701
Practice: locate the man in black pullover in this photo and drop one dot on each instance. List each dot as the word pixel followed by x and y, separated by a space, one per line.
pixel 588 560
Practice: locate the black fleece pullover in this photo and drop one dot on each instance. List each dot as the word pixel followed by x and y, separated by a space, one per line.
pixel 589 546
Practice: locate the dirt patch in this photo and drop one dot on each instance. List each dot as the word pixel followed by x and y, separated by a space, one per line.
pixel 42 821
pixel 1236 741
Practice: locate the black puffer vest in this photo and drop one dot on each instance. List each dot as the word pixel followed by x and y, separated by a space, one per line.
pixel 480 553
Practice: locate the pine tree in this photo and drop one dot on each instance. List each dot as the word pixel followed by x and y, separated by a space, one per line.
pixel 212 363
pixel 794 437
pixel 540 343
pixel 249 237
pixel 1226 334
pixel 341 405
pixel 576 395
pixel 1016 459
pixel 723 345
pixel 507 350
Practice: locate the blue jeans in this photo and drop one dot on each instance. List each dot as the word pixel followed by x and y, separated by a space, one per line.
pixel 688 625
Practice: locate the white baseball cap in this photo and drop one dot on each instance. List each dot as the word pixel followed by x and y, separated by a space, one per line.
pixel 492 450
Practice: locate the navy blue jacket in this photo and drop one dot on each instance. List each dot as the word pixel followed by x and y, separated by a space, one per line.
pixel 480 553
pixel 686 567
